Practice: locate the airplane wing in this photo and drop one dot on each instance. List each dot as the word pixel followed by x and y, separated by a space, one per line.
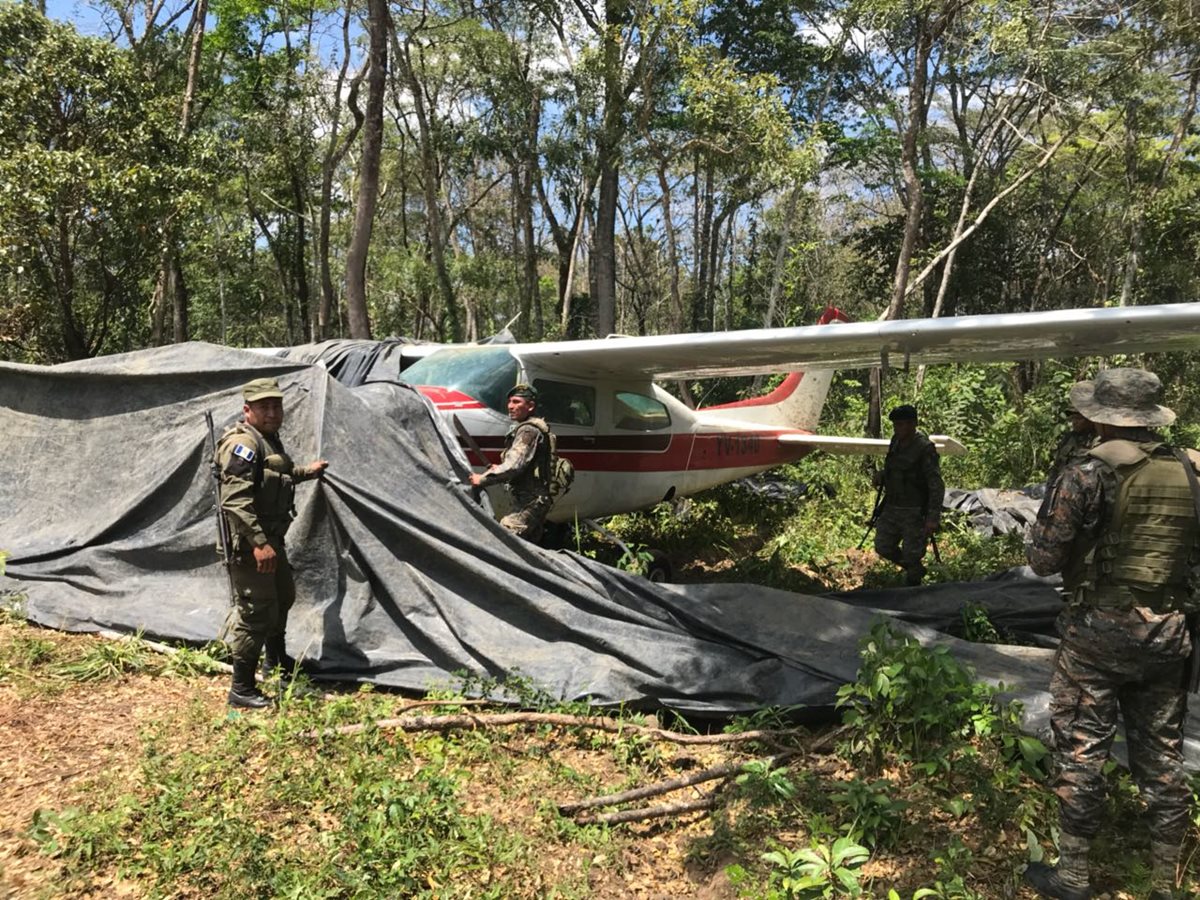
pixel 851 345
pixel 850 446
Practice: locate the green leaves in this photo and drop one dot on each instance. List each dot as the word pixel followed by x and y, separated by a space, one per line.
pixel 819 870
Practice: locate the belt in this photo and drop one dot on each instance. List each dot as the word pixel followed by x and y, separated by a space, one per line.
pixel 1166 598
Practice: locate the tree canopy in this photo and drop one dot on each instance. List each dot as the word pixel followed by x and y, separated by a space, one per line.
pixel 260 174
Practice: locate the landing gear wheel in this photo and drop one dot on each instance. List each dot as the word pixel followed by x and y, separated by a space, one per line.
pixel 659 569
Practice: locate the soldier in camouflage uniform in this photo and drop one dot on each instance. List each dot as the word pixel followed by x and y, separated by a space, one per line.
pixel 1121 527
pixel 257 489
pixel 1073 446
pixel 524 467
pixel 912 496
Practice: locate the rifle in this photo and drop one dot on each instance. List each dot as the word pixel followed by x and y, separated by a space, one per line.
pixel 222 522
pixel 473 446
pixel 875 511
pixel 937 555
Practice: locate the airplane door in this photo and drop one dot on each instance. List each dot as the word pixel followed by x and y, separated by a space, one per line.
pixel 569 408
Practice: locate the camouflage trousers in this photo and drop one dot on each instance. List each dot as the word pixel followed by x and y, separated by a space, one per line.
pixel 900 538
pixel 1130 661
pixel 263 603
pixel 529 517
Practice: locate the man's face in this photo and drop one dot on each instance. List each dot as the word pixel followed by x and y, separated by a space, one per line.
pixel 904 428
pixel 266 415
pixel 519 408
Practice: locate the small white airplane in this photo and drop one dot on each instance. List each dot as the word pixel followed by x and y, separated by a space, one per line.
pixel 634 445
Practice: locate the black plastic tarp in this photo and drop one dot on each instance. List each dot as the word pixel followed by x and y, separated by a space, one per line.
pixel 403 578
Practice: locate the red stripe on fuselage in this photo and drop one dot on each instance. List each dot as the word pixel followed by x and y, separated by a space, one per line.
pixel 669 452
pixel 789 384
pixel 786 388
pixel 447 398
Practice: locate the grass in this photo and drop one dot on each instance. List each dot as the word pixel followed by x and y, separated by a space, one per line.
pixel 273 805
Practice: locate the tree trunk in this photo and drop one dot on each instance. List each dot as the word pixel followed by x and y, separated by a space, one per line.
pixel 702 317
pixel 604 247
pixel 180 292
pixel 334 154
pixel 664 185
pixel 368 187
pixel 169 272
pixel 530 301
pixel 300 256
pixel 430 182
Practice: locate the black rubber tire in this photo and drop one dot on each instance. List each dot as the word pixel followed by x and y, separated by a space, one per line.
pixel 659 570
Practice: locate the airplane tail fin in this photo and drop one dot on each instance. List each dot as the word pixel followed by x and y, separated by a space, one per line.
pixel 795 403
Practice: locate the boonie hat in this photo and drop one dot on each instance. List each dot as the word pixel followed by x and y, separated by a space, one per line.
pixel 904 412
pixel 261 389
pixel 1122 397
pixel 527 391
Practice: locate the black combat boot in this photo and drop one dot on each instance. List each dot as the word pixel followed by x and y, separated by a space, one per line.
pixel 275 657
pixel 915 575
pixel 244 693
pixel 1069 879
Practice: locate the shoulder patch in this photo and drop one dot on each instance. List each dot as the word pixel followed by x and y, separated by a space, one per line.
pixel 244 452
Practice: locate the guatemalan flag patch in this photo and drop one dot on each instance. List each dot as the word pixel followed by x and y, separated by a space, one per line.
pixel 244 452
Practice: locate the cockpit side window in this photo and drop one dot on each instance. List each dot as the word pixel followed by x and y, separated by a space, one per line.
pixel 637 412
pixel 485 373
pixel 565 403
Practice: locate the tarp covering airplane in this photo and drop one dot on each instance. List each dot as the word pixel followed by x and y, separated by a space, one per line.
pixel 402 579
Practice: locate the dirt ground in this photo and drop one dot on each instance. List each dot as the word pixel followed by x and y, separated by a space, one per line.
pixel 57 741
pixel 58 738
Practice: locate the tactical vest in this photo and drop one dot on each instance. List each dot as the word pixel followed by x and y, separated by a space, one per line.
pixel 274 488
pixel 535 479
pixel 1148 537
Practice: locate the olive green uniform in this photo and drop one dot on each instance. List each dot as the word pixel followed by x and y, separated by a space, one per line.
pixel 525 469
pixel 258 481
pixel 913 492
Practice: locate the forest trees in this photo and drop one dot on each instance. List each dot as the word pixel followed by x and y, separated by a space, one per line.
pixel 282 173
pixel 92 162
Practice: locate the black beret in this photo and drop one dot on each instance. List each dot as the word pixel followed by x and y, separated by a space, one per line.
pixel 905 412
pixel 526 391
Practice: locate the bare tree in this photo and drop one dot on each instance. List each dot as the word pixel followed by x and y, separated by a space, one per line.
pixel 378 26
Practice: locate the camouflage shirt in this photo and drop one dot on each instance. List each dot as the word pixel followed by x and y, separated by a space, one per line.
pixel 518 465
pixel 1072 448
pixel 1071 515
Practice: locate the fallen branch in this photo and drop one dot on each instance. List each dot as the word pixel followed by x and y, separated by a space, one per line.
pixel 601 723
pixel 158 648
pixel 665 787
pixel 648 812
pixel 673 784
pixel 420 704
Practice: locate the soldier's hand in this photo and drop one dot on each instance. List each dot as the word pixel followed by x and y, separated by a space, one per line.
pixel 476 477
pixel 931 525
pixel 317 468
pixel 265 559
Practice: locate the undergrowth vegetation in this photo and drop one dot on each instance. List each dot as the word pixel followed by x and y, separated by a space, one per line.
pixel 927 789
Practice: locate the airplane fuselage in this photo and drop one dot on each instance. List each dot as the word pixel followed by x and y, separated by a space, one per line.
pixel 632 443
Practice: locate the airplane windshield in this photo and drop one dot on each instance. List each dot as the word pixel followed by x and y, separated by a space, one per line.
pixel 485 373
